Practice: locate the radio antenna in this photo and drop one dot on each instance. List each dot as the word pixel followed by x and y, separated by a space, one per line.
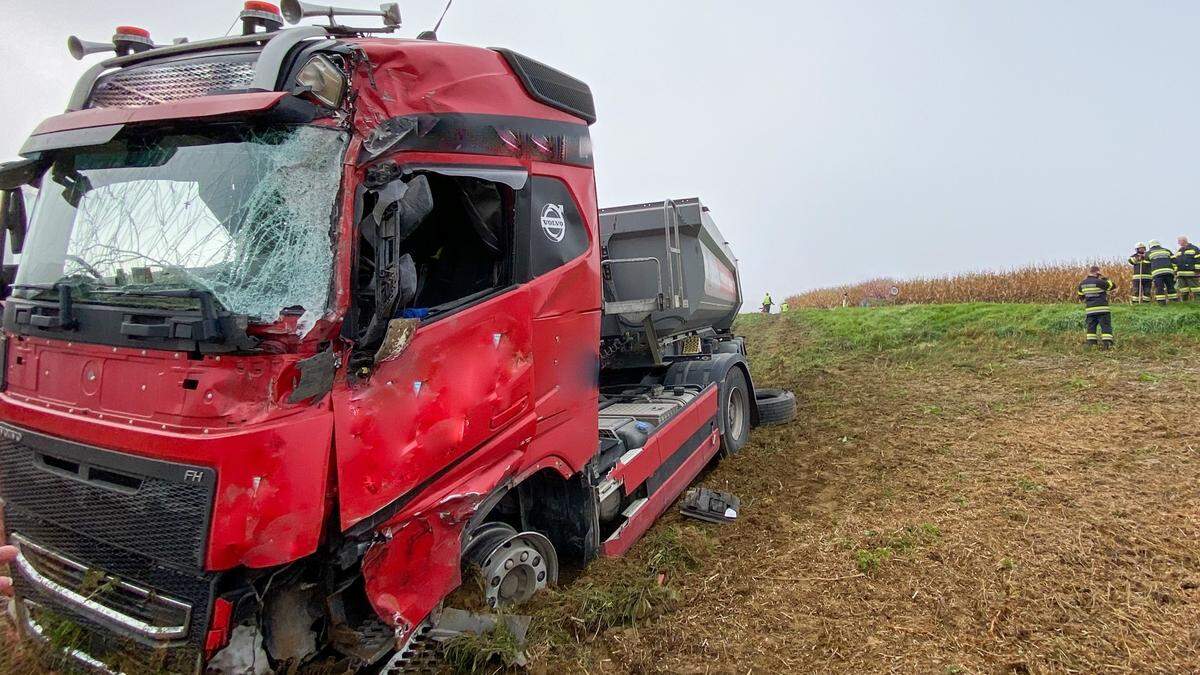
pixel 432 34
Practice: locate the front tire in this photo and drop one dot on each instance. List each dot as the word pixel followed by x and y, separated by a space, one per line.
pixel 513 566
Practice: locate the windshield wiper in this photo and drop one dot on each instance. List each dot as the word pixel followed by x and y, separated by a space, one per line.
pixel 208 329
pixel 66 315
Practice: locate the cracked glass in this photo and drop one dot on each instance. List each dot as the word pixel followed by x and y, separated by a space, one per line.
pixel 244 214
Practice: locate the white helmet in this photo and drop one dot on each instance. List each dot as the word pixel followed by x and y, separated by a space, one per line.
pixel 1154 242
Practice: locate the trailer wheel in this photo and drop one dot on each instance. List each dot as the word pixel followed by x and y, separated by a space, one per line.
pixel 775 406
pixel 513 566
pixel 735 409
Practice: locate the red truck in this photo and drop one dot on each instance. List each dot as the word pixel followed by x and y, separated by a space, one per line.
pixel 310 321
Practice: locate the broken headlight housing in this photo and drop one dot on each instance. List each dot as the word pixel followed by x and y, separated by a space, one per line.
pixel 323 80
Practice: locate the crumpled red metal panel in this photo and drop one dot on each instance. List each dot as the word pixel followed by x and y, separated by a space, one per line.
pixel 272 458
pixel 460 381
pixel 420 76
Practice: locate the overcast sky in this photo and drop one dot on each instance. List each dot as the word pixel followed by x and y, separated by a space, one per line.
pixel 834 141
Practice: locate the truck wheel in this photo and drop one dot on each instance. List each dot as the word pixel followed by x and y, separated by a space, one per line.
pixel 775 406
pixel 735 408
pixel 513 566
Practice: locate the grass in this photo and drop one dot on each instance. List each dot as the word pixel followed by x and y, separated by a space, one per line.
pixel 470 653
pixel 882 548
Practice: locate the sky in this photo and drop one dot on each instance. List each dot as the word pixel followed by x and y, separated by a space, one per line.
pixel 834 141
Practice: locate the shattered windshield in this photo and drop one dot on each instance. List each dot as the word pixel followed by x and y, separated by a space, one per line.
pixel 243 214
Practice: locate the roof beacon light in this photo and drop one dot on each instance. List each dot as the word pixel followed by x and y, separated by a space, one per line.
pixel 294 11
pixel 264 15
pixel 132 40
pixel 125 41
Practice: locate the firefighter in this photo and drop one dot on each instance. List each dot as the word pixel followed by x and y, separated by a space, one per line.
pixel 1186 260
pixel 784 307
pixel 7 555
pixel 1143 284
pixel 1093 292
pixel 1162 270
pixel 767 303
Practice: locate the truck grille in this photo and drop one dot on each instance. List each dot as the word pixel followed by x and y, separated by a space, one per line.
pixel 160 83
pixel 93 519
pixel 157 509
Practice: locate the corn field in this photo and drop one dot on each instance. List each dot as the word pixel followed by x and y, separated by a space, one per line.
pixel 1034 283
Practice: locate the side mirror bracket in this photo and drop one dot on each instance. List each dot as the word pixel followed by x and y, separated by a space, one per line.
pixel 13 218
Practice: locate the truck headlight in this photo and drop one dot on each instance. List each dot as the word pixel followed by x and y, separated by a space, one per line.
pixel 324 80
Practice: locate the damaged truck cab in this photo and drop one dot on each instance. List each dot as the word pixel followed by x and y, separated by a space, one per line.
pixel 309 323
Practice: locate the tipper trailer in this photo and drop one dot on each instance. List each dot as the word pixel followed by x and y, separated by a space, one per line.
pixel 309 321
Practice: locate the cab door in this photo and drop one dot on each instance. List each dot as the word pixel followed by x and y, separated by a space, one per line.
pixel 462 389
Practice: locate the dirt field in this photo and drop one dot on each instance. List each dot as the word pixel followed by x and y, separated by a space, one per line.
pixel 965 490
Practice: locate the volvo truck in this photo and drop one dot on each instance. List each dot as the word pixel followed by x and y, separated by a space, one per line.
pixel 311 324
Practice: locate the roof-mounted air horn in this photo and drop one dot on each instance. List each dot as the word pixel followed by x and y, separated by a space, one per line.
pixel 294 11
pixel 127 40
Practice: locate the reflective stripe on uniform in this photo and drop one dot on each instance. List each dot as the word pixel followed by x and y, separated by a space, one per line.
pixel 1103 309
pixel 1163 272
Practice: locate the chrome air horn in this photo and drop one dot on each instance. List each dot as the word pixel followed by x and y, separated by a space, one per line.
pixel 295 10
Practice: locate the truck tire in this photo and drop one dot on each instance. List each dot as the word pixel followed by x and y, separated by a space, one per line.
pixel 513 565
pixel 775 406
pixel 735 411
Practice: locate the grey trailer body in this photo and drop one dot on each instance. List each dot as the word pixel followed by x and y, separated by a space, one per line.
pixel 666 267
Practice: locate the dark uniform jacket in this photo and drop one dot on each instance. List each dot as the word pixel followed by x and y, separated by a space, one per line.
pixel 1141 266
pixel 1094 293
pixel 1186 259
pixel 1161 261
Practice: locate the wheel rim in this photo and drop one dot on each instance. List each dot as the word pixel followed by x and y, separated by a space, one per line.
pixel 735 412
pixel 515 568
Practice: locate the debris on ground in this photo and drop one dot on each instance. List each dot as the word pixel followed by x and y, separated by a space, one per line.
pixel 710 505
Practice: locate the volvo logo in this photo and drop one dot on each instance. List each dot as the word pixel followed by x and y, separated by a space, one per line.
pixel 553 222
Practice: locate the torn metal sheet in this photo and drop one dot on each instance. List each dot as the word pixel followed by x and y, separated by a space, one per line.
pixel 399 334
pixel 316 377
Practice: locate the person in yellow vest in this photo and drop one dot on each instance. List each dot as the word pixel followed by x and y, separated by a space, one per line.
pixel 767 303
pixel 784 307
pixel 1093 293
pixel 1187 258
pixel 1143 283
pixel 1162 269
